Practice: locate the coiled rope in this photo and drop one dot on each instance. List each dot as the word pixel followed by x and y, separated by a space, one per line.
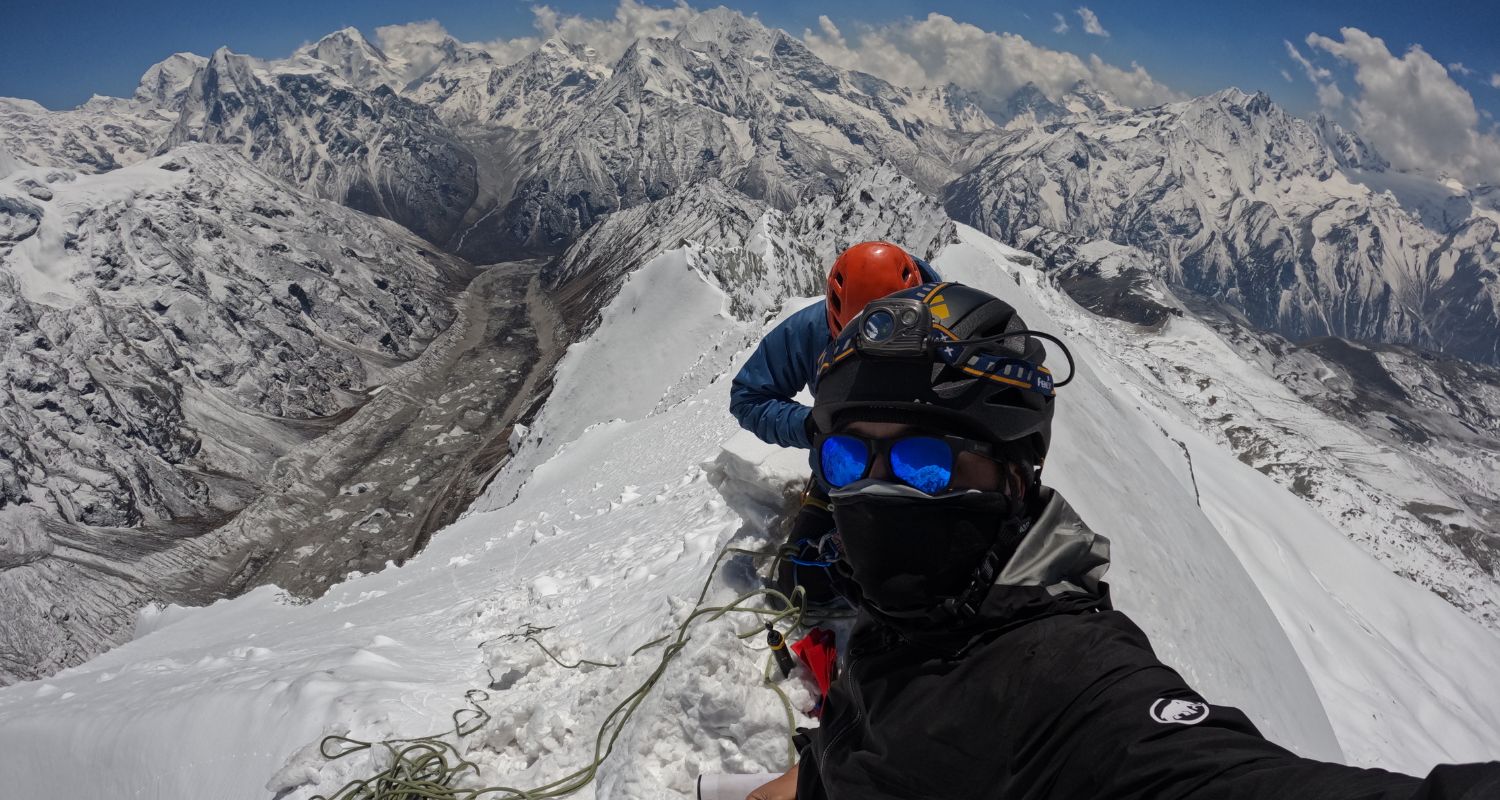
pixel 428 767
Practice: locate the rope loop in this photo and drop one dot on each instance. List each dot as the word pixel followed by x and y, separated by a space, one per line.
pixel 428 767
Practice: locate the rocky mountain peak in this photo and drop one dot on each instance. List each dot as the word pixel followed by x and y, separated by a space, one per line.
pixel 165 81
pixel 348 55
pixel 1087 99
pixel 1351 151
pixel 732 32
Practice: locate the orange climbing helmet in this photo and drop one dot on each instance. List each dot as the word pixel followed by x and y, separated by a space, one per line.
pixel 867 271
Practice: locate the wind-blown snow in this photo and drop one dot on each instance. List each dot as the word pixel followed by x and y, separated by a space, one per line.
pixel 615 526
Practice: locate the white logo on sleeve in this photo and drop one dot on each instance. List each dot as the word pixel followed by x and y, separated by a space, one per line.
pixel 1181 712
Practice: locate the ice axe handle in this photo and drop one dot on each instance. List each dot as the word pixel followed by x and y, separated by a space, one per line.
pixel 720 786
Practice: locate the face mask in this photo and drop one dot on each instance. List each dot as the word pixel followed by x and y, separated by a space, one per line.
pixel 909 551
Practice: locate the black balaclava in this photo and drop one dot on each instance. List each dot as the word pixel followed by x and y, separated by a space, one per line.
pixel 923 557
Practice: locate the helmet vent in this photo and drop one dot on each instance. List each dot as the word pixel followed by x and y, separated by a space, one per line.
pixel 1015 344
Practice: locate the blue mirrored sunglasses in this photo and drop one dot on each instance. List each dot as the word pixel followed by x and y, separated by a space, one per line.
pixel 922 461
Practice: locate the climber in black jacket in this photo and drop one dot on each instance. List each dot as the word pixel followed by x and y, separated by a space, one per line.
pixel 987 662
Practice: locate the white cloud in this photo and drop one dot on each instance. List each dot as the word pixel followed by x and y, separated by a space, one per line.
pixel 416 43
pixel 1495 80
pixel 610 37
pixel 1062 23
pixel 1412 110
pixel 1091 22
pixel 928 52
pixel 1287 76
pixel 1458 66
pixel 939 50
pixel 1330 98
pixel 1314 72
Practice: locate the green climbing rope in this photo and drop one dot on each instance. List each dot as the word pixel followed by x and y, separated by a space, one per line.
pixel 429 767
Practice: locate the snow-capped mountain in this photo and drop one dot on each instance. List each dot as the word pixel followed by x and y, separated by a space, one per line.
pixel 1348 149
pixel 347 55
pixel 1028 106
pixel 168 80
pixel 171 330
pixel 1292 222
pixel 527 95
pixel 370 150
pixel 725 98
pixel 1249 205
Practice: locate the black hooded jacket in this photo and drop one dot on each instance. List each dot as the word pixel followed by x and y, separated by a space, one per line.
pixel 1050 694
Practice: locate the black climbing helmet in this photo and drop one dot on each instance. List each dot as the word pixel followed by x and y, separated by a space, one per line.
pixel 948 354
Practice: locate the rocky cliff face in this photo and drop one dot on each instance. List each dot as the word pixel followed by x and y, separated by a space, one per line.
pixel 370 150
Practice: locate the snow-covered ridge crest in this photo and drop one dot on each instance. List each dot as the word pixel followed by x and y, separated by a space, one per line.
pixel 1398 449
pixel 759 254
pixel 103 134
pixel 758 257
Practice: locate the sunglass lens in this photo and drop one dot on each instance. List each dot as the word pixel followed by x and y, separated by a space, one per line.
pixel 923 462
pixel 843 460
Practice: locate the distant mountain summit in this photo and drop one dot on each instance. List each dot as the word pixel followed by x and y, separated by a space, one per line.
pixel 1242 202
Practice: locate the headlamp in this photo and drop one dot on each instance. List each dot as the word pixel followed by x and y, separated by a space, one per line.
pixel 895 327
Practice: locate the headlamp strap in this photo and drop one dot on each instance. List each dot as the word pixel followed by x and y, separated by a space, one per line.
pixel 1001 369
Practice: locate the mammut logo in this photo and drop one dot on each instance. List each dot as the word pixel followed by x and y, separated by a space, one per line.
pixel 1182 712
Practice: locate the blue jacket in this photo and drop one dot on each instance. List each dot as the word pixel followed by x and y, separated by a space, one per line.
pixel 786 361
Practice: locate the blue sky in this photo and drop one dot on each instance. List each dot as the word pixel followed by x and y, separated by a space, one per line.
pixel 59 53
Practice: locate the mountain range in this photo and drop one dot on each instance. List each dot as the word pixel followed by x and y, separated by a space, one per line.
pixel 212 286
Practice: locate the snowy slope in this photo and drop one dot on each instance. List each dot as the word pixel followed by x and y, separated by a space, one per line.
pixel 103 134
pixel 1398 448
pixel 609 536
